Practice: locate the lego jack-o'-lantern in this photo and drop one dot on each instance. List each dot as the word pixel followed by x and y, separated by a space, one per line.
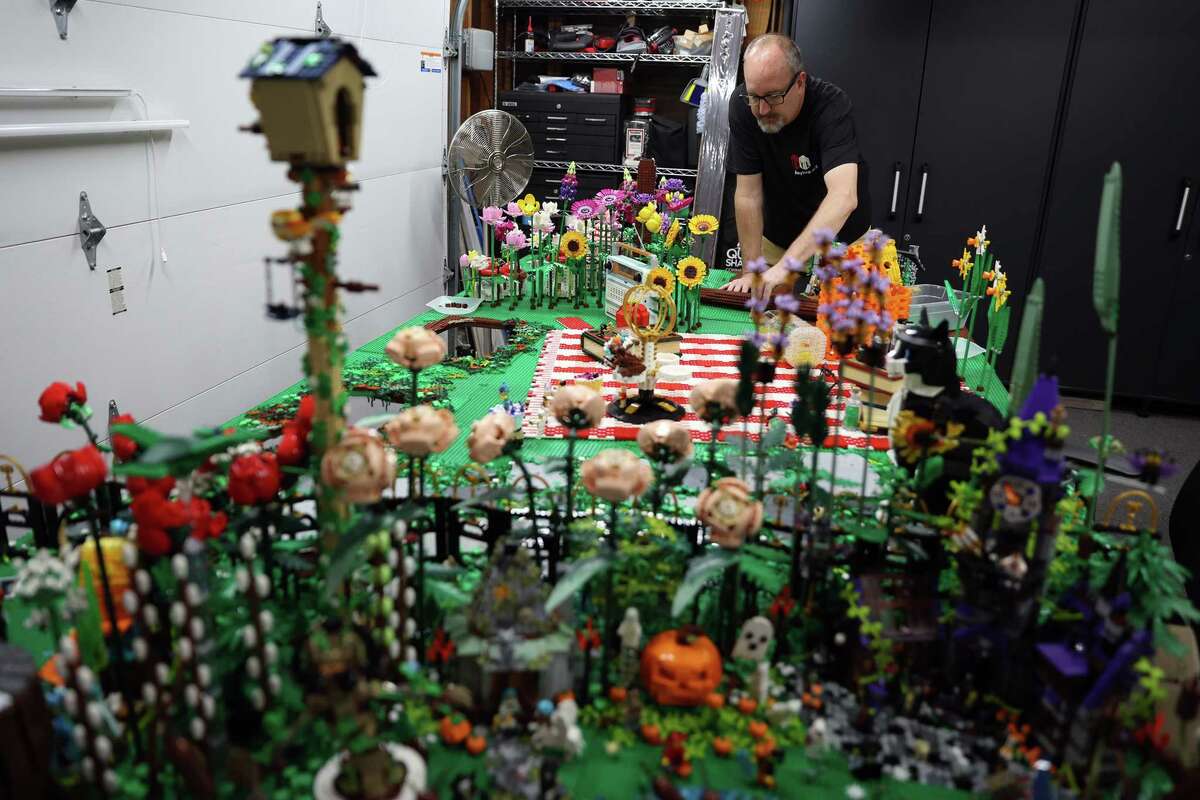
pixel 309 95
pixel 680 668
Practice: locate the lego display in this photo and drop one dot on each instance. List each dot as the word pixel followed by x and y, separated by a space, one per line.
pixel 520 584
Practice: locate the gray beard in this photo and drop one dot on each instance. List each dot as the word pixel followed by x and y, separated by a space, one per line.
pixel 769 127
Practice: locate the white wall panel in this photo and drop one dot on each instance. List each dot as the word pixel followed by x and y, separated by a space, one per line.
pixel 420 23
pixel 194 347
pixel 186 67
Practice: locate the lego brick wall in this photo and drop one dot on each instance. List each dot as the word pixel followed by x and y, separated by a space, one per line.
pixel 194 346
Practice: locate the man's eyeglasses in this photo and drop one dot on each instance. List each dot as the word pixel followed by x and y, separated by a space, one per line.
pixel 774 98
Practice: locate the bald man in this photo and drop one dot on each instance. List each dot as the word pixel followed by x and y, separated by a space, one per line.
pixel 793 149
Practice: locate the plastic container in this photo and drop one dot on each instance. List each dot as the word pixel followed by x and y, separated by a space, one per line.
pixel 933 299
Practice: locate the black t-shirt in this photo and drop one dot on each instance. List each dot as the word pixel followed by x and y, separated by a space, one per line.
pixel 794 161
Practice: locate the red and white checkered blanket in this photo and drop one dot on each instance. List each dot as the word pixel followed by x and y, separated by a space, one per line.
pixel 707 356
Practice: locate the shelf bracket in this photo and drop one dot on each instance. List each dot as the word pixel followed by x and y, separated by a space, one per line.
pixel 91 230
pixel 61 10
pixel 322 29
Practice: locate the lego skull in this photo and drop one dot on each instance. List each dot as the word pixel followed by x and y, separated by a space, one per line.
pixel 755 639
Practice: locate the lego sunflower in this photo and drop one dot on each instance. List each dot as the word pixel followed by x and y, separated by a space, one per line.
pixel 661 276
pixel 691 271
pixel 915 437
pixel 703 224
pixel 672 233
pixel 573 245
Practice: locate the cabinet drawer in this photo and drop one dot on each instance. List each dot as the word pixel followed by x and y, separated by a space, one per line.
pixel 607 122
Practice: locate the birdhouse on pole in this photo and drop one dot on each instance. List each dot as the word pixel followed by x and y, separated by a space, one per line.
pixel 309 95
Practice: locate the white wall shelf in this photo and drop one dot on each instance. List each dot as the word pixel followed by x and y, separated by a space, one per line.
pixel 89 128
pixel 588 166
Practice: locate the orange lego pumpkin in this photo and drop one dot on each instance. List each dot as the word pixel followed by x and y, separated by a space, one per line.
pixel 681 668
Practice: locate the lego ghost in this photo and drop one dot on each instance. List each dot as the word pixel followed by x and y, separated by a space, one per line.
pixel 630 630
pixel 755 639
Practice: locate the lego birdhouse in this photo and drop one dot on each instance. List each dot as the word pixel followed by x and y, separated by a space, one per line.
pixel 309 95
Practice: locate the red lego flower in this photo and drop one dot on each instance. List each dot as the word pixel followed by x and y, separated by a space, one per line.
pixel 1152 733
pixel 441 650
pixel 254 479
pixel 57 398
pixel 69 475
pixel 588 637
pixel 123 447
pixel 292 449
pixel 160 486
pixel 783 604
pixel 205 524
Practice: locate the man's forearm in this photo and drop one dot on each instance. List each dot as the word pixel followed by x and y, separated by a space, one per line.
pixel 749 212
pixel 832 214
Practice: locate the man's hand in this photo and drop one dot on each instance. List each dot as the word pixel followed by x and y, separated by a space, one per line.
pixel 770 279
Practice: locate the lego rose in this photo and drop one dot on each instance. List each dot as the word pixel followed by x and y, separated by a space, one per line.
pixel 416 348
pixel 359 466
pixel 730 512
pixel 665 441
pixel 421 430
pixel 254 479
pixel 57 398
pixel 123 447
pixel 577 407
pixel 69 475
pixel 489 436
pixel 292 449
pixel 615 475
pixel 715 399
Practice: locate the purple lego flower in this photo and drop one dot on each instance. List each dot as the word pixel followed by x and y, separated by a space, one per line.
pixel 837 251
pixel 756 305
pixel 880 282
pixel 641 198
pixel 793 264
pixel 673 184
pixel 568 190
pixel 873 238
pixel 756 266
pixel 1152 465
pixel 787 303
pixel 757 339
pixel 778 340
pixel 823 237
pixel 492 215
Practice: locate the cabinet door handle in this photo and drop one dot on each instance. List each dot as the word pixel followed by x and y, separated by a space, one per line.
pixel 921 197
pixel 1183 201
pixel 557 130
pixel 555 139
pixel 553 118
pixel 595 119
pixel 895 190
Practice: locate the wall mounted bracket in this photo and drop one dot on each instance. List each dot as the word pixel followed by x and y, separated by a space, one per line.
pixel 91 230
pixel 322 29
pixel 61 10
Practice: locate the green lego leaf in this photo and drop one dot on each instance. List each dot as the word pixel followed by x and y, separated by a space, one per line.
pixel 1028 341
pixel 953 299
pixel 1106 279
pixel 574 581
pixel 700 571
pixel 998 327
pixel 89 625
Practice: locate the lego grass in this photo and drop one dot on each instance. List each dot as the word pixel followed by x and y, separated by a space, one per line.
pixel 596 775
pixel 473 395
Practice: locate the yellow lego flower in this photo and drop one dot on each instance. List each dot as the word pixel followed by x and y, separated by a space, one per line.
pixel 662 277
pixel 999 290
pixel 703 224
pixel 654 223
pixel 529 205
pixel 573 245
pixel 963 265
pixel 672 233
pixel 691 271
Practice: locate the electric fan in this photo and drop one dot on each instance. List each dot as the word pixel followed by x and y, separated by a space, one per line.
pixel 490 159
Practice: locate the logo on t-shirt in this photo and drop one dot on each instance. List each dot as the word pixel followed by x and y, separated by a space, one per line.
pixel 802 165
